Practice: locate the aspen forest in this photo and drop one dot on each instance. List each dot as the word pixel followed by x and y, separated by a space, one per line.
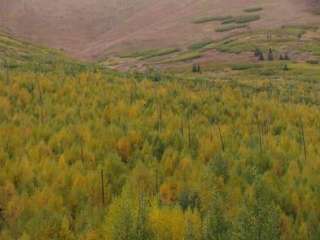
pixel 89 153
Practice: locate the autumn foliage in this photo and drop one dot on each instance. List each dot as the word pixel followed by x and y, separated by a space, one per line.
pixel 90 154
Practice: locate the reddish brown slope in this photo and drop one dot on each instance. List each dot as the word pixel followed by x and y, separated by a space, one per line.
pixel 89 29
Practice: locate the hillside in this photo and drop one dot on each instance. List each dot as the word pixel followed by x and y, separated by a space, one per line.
pixel 299 43
pixel 20 53
pixel 89 30
pixel 93 154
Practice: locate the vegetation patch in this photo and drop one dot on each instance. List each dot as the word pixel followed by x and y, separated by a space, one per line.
pixel 280 40
pixel 228 21
pixel 187 56
pixel 246 18
pixel 253 9
pixel 151 53
pixel 22 54
pixel 244 66
pixel 227 28
pixel 200 45
pixel 312 47
pixel 298 30
pixel 211 19
pixel 241 19
pixel 313 61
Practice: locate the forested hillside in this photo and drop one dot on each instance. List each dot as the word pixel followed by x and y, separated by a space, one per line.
pixel 232 153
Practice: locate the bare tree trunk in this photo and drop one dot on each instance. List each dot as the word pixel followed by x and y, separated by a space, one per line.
pixel 260 136
pixel 303 140
pixel 40 100
pixel 221 139
pixel 160 118
pixel 181 127
pixel 7 72
pixel 40 91
pixel 81 151
pixel 102 188
pixel 189 133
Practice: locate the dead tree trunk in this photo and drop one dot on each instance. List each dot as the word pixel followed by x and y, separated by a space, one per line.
pixel 181 127
pixel 159 117
pixel 102 188
pixel 221 138
pixel 303 139
pixel 260 136
pixel 6 65
pixel 189 133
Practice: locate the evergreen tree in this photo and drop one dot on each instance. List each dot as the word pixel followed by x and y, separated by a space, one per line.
pixel 121 221
pixel 199 68
pixel 281 58
pixel 257 52
pixel 217 225
pixel 261 57
pixel 258 220
pixel 194 68
pixel 157 76
pixel 270 55
pixel 286 57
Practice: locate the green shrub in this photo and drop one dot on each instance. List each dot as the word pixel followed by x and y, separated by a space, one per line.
pixel 211 19
pixel 185 57
pixel 151 53
pixel 231 27
pixel 200 45
pixel 253 9
pixel 246 18
pixel 196 68
pixel 228 21
pixel 244 66
pixel 313 61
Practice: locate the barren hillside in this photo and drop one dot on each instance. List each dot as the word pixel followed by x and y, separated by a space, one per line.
pixel 89 29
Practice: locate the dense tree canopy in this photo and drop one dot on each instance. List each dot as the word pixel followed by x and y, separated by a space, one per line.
pixel 93 154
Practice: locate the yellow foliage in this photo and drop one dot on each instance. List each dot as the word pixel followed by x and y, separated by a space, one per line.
pixel 167 223
pixel 170 160
pixel 5 105
pixel 25 236
pixel 92 235
pixel 124 148
pixel 208 147
pixel 14 208
pixel 65 232
pixel 169 192
pixel 142 180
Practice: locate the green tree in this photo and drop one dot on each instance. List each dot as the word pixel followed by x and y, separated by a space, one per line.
pixel 217 225
pixel 259 219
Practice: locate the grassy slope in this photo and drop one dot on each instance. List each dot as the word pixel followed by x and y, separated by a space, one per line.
pixel 300 42
pixel 22 52
pixel 287 38
pixel 24 56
